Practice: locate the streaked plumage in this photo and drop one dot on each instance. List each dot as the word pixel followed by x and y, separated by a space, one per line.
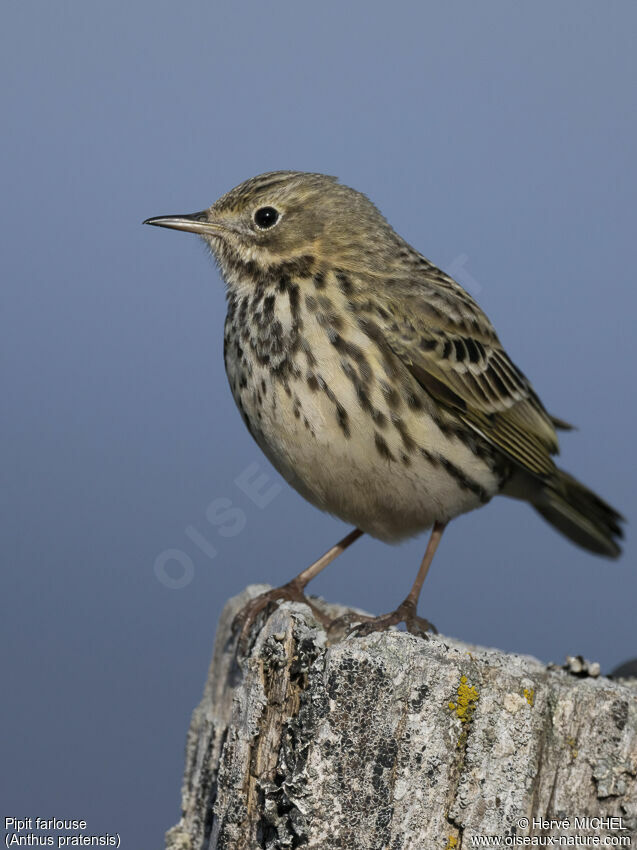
pixel 373 382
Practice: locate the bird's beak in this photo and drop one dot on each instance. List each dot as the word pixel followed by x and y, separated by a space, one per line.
pixel 198 222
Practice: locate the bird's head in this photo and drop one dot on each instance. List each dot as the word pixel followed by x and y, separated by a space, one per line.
pixel 283 216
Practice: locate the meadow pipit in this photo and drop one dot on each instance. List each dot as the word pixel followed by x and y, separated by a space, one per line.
pixel 372 381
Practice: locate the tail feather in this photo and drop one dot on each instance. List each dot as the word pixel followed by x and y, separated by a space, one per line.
pixel 580 514
pixel 561 424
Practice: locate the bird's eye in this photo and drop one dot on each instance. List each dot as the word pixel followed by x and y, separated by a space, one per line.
pixel 266 217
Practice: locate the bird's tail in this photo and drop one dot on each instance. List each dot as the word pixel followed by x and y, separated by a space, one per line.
pixel 580 514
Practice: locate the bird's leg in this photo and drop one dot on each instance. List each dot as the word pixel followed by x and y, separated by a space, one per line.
pixel 293 590
pixel 406 611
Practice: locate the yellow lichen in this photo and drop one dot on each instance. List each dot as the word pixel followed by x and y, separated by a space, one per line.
pixel 467 700
pixel 529 695
pixel 464 707
pixel 572 743
pixel 452 842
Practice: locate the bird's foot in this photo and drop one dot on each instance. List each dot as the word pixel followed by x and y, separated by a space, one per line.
pixel 292 591
pixel 405 613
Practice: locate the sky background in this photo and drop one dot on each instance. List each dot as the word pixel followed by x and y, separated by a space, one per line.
pixel 498 138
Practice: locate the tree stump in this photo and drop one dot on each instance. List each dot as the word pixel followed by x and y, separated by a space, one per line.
pixel 392 741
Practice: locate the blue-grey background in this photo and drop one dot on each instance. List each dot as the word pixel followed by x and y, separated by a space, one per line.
pixel 499 139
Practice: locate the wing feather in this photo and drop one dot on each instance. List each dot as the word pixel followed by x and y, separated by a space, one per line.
pixel 447 343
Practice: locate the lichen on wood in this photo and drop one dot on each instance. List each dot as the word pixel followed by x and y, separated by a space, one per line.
pixel 392 741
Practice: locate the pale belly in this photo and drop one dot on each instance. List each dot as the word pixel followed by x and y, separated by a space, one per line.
pixel 392 473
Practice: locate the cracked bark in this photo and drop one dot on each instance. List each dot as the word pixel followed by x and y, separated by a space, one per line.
pixel 391 741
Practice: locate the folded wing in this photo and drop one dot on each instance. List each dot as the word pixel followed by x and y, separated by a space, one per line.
pixel 450 347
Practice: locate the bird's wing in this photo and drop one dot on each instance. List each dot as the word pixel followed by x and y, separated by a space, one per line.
pixel 452 350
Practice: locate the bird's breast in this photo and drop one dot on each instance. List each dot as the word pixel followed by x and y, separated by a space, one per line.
pixel 339 418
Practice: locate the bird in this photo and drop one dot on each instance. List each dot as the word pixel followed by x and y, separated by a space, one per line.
pixel 373 382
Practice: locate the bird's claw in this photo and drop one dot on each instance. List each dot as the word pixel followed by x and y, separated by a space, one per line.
pixel 246 617
pixel 405 613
